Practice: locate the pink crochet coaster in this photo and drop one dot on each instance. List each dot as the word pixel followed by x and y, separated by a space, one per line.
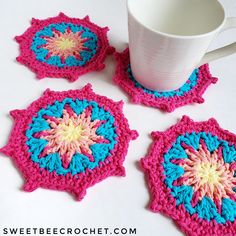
pixel 191 174
pixel 190 92
pixel 63 47
pixel 69 141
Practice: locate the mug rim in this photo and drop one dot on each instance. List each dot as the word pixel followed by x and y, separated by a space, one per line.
pixel 176 35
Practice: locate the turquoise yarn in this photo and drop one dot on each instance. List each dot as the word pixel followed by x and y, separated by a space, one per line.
pixel 41 53
pixel 80 162
pixel 189 85
pixel 206 208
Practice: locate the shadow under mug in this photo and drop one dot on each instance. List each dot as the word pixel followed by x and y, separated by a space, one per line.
pixel 169 39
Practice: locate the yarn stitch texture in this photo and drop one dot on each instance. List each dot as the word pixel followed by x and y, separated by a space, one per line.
pixel 63 47
pixel 191 175
pixel 69 141
pixel 190 92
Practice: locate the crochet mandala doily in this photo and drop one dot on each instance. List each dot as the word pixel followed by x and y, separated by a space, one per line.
pixel 63 47
pixel 69 140
pixel 190 92
pixel 191 174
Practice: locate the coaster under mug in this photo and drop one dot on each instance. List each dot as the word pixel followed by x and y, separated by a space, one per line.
pixel 190 92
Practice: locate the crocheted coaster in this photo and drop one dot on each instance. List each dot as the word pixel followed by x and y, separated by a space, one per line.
pixel 63 47
pixel 190 92
pixel 191 174
pixel 69 140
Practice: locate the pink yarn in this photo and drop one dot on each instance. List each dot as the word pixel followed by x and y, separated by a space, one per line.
pixel 36 177
pixel 168 104
pixel 161 198
pixel 42 69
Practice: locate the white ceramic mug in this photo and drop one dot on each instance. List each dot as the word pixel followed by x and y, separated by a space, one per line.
pixel 169 39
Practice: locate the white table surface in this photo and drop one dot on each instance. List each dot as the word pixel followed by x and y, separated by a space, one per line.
pixel 116 201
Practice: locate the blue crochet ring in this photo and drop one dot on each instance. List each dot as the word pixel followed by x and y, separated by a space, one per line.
pixel 80 162
pixel 43 55
pixel 205 208
pixel 190 83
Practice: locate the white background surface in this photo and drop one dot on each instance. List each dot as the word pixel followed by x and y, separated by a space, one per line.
pixel 117 201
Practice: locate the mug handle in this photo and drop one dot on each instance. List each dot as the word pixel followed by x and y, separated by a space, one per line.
pixel 224 51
